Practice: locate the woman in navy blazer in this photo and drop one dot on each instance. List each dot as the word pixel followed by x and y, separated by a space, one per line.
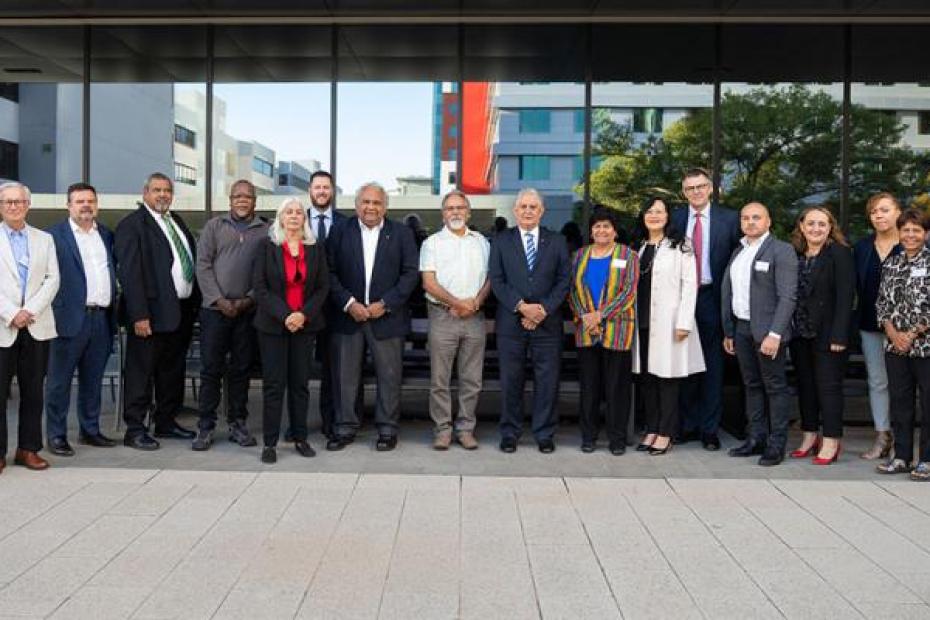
pixel 290 281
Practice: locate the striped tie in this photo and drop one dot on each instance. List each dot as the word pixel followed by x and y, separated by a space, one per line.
pixel 530 251
pixel 187 264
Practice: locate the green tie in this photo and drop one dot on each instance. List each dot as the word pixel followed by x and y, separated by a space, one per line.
pixel 187 265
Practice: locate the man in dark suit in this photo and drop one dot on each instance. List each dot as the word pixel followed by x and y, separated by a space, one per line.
pixel 714 234
pixel 373 269
pixel 85 316
pixel 323 217
pixel 155 265
pixel 759 293
pixel 530 273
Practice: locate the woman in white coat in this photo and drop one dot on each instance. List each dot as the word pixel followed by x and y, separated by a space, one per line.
pixel 667 347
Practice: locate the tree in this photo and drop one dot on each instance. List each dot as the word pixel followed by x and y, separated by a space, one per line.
pixel 781 146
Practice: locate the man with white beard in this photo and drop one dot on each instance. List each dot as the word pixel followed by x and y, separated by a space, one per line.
pixel 454 264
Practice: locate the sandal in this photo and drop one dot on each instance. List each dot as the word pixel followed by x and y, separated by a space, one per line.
pixel 921 473
pixel 893 466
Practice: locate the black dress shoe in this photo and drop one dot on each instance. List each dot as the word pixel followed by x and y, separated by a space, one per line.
pixel 59 446
pixel 304 449
pixel 643 447
pixel 710 441
pixel 587 447
pixel 141 441
pixel 338 443
pixel 547 446
pixel 771 456
pixel 686 436
pixel 618 448
pixel 269 455
pixel 386 443
pixel 508 445
pixel 97 441
pixel 748 448
pixel 176 431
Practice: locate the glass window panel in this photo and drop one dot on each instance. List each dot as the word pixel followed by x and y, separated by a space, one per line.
pixel 781 146
pixel 148 113
pixel 889 146
pixel 499 157
pixel 644 135
pixel 42 114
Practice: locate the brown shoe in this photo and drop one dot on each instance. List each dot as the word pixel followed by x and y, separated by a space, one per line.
pixel 30 460
pixel 467 440
pixel 442 441
pixel 881 447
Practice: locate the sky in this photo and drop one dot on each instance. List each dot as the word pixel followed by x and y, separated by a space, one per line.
pixel 385 129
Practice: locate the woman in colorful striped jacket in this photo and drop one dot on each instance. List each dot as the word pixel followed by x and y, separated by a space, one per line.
pixel 603 300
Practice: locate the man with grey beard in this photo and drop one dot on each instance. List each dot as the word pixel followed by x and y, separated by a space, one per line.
pixel 454 264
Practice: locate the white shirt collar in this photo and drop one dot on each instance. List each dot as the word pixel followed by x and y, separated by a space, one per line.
pixel 327 213
pixel 155 213
pixel 448 232
pixel 534 232
pixel 705 212
pixel 77 229
pixel 365 228
pixel 746 243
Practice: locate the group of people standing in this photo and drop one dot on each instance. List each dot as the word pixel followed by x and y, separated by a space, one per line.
pixel 694 284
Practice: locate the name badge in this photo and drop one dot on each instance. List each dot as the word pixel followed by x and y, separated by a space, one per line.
pixel 618 263
pixel 919 272
pixel 762 266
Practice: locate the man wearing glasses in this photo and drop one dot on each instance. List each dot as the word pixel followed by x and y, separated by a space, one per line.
pixel 225 251
pixel 28 284
pixel 714 233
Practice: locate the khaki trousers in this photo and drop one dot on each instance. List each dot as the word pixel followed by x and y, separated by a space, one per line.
pixel 450 338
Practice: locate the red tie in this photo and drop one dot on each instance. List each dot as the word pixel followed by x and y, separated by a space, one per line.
pixel 697 240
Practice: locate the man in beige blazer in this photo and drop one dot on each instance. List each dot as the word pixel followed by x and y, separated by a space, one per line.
pixel 28 284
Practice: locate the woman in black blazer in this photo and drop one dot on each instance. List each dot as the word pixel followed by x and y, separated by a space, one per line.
pixel 290 280
pixel 821 324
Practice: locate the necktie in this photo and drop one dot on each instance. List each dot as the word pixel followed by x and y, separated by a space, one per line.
pixel 697 240
pixel 530 251
pixel 321 228
pixel 187 264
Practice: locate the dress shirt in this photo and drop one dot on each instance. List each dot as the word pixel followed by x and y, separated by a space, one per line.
pixel 183 288
pixel 315 213
pixel 741 276
pixel 459 262
pixel 96 266
pixel 535 233
pixel 706 276
pixel 19 243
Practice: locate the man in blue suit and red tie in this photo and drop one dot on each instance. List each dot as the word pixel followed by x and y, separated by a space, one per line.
pixel 86 320
pixel 714 233
pixel 530 273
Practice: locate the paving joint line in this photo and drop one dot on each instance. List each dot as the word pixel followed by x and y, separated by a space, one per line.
pixel 387 573
pixel 526 551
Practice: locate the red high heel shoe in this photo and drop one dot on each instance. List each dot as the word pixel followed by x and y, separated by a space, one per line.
pixel 836 455
pixel 803 454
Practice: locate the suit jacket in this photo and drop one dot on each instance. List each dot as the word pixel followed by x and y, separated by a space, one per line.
pixel 41 286
pixel 616 300
pixel 512 281
pixel 69 303
pixel 268 284
pixel 143 266
pixel 393 278
pixel 829 303
pixel 772 291
pixel 724 238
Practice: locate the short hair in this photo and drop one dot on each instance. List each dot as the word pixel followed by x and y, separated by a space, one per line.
pixel 874 199
pixel 913 215
pixel 157 176
pixel 455 192
pixel 80 187
pixel 696 171
pixel 529 191
pixel 835 236
pixel 276 230
pixel 16 185
pixel 371 185
pixel 242 182
pixel 603 214
pixel 321 173
pixel 756 203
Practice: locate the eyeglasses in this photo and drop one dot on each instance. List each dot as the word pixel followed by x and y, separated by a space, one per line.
pixel 241 196
pixel 14 203
pixel 695 188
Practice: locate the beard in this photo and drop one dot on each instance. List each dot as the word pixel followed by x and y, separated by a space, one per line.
pixel 456 223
